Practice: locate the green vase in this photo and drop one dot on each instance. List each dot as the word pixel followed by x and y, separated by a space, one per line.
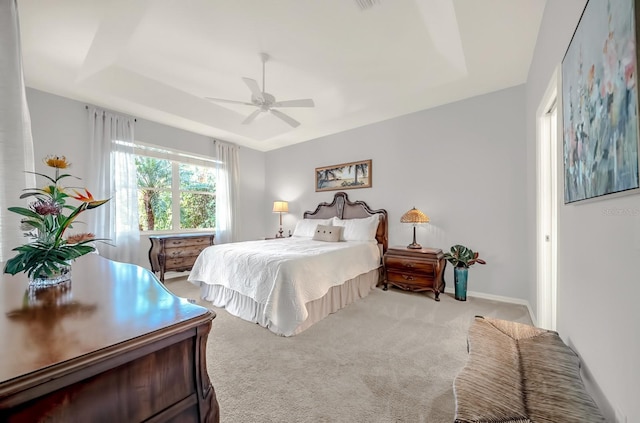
pixel 460 280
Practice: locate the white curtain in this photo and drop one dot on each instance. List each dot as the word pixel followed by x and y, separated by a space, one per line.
pixel 16 144
pixel 227 192
pixel 114 176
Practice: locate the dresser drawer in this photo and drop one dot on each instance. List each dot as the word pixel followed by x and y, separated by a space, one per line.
pixel 180 263
pixel 187 251
pixel 187 242
pixel 410 265
pixel 409 278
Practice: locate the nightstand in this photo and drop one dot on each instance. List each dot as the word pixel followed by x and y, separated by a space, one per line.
pixel 415 270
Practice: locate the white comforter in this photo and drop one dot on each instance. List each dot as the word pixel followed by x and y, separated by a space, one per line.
pixel 284 274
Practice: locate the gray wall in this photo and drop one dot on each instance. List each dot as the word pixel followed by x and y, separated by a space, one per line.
pixel 461 164
pixel 598 246
pixel 60 126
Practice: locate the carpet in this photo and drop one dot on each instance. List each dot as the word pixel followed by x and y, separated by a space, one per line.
pixel 390 357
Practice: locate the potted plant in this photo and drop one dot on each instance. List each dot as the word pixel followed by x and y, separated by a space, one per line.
pixel 461 258
pixel 47 258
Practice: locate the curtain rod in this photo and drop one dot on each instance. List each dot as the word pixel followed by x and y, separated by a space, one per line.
pixel 134 119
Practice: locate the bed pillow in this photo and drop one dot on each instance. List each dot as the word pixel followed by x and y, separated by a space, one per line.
pixel 307 227
pixel 327 233
pixel 358 229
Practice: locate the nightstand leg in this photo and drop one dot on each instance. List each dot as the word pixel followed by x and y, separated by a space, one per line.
pixel 384 288
pixel 437 295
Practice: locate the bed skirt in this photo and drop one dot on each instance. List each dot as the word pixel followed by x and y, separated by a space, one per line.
pixel 336 298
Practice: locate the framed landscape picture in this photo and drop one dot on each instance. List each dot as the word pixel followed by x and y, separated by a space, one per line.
pixel 600 103
pixel 344 176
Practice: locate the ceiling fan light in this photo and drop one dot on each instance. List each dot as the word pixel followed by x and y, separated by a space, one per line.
pixel 265 101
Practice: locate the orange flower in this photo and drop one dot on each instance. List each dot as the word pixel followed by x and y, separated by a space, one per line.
pixel 59 162
pixel 50 188
pixel 74 239
pixel 87 197
pixel 82 197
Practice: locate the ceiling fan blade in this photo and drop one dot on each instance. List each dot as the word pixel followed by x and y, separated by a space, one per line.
pixel 253 86
pixel 306 102
pixel 222 100
pixel 251 117
pixel 291 121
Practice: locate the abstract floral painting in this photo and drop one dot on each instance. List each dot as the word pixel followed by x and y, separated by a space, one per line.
pixel 600 103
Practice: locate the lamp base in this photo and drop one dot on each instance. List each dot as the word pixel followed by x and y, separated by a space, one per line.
pixel 414 246
pixel 280 234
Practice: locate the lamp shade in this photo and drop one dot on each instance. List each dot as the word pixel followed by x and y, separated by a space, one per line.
pixel 414 216
pixel 280 207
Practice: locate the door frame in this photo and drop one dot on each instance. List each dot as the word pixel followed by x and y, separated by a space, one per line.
pixel 548 136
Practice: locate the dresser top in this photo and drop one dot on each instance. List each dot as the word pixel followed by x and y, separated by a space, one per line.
pixel 105 305
pixel 185 235
pixel 400 250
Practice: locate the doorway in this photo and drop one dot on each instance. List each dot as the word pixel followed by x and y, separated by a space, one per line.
pixel 547 204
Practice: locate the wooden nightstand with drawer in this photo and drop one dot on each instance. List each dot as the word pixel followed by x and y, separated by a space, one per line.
pixel 176 252
pixel 415 270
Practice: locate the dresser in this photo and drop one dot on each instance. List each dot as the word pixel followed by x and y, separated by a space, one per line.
pixel 176 252
pixel 415 270
pixel 111 345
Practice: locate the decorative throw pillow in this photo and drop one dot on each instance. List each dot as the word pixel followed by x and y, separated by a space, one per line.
pixel 307 227
pixel 358 229
pixel 327 233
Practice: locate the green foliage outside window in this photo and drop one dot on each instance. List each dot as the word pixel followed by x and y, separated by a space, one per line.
pixel 197 204
pixel 195 195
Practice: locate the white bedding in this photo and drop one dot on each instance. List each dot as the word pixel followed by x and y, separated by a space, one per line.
pixel 284 274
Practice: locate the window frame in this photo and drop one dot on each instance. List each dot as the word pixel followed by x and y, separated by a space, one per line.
pixel 176 158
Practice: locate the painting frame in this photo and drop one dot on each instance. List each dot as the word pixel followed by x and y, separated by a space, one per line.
pixel 338 177
pixel 600 131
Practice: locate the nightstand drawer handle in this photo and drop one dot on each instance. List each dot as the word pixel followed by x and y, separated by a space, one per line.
pixel 407 277
pixel 408 265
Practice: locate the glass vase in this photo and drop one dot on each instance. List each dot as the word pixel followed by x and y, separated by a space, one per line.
pixel 460 280
pixel 42 280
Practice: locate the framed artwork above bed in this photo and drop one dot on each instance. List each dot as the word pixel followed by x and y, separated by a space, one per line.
pixel 600 102
pixel 344 176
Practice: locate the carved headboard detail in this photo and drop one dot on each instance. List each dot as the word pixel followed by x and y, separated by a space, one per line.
pixel 343 208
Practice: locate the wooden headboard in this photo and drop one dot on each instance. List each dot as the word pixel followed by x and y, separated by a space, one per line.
pixel 343 208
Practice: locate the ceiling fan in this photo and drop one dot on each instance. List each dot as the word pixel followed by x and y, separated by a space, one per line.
pixel 266 102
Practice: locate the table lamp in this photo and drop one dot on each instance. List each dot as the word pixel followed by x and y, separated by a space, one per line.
pixel 415 217
pixel 280 207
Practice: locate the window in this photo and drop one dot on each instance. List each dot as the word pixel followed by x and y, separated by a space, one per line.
pixel 176 191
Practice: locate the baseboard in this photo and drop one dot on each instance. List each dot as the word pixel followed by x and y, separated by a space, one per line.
pixel 451 290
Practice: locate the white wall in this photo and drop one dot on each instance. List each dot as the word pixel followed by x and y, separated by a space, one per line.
pixel 461 164
pixel 60 126
pixel 598 248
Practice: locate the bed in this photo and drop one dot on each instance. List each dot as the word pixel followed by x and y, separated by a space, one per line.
pixel 288 284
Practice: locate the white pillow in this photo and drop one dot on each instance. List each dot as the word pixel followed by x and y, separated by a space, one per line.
pixel 307 227
pixel 358 229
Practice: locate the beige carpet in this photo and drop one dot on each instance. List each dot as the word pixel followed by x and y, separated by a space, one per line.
pixel 390 357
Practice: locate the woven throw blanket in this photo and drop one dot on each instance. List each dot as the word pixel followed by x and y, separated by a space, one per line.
pixel 520 373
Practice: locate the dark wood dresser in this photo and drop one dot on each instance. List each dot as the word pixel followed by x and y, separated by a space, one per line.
pixel 112 345
pixel 415 270
pixel 176 252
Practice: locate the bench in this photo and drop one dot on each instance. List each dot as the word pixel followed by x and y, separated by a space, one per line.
pixel 520 373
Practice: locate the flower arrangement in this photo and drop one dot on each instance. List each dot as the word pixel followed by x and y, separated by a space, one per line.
pixel 45 223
